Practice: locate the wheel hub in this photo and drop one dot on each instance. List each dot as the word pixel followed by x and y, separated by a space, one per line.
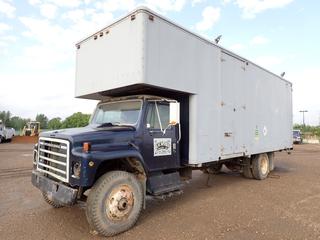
pixel 119 203
pixel 264 166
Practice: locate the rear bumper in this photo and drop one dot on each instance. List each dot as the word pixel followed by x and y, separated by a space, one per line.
pixel 56 191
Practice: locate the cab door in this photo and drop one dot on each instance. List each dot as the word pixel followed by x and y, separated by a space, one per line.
pixel 160 147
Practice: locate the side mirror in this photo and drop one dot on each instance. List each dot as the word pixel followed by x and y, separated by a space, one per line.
pixel 174 113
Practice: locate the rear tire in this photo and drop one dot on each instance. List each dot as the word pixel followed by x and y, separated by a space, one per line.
pixel 53 203
pixel 246 171
pixel 271 161
pixel 114 203
pixel 260 166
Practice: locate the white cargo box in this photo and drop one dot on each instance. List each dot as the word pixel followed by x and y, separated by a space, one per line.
pixel 235 107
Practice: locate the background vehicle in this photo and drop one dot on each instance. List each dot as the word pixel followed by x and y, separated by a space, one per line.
pixel 297 137
pixel 6 134
pixel 31 129
pixel 170 102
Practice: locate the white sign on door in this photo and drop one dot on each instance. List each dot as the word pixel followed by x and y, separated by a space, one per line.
pixel 161 147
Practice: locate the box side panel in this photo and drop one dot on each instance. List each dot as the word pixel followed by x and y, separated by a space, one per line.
pixel 111 61
pixel 268 115
pixel 176 59
pixel 256 111
pixel 236 108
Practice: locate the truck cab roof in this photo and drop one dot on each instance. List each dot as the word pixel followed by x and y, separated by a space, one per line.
pixel 132 97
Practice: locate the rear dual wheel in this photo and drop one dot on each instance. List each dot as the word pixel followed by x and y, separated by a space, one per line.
pixel 258 167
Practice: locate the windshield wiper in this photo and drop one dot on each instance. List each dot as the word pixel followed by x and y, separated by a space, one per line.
pixel 107 124
pixel 116 124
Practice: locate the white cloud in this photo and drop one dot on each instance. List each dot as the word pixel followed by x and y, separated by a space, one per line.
pixel 252 7
pixel 59 3
pixel 195 2
pixel 226 1
pixel 7 9
pixel 115 5
pixel 34 2
pixel 259 40
pixel 3 44
pixel 48 10
pixel 74 15
pixel 54 94
pixel 210 15
pixel 269 61
pixel 164 6
pixel 66 3
pixel 5 40
pixel 237 47
pixel 9 38
pixel 306 85
pixel 4 27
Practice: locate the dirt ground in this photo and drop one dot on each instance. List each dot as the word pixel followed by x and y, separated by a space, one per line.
pixel 284 206
pixel 25 139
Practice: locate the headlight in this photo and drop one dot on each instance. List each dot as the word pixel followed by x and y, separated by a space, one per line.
pixel 76 169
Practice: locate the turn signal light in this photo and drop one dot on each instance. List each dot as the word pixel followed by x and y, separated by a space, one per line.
pixel 86 146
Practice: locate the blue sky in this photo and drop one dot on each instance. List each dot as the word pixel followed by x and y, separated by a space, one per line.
pixel 37 37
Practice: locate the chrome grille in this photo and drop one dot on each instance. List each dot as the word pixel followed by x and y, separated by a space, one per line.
pixel 53 158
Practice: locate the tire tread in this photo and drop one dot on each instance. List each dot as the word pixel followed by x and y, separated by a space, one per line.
pixel 93 204
pixel 53 203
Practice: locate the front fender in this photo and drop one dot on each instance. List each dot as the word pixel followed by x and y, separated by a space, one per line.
pixel 88 171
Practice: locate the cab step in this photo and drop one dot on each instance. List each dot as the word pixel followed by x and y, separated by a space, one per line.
pixel 161 183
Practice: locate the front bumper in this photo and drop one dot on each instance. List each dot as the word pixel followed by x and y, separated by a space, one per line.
pixel 56 191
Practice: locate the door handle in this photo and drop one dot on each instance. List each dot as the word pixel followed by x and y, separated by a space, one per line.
pixel 154 131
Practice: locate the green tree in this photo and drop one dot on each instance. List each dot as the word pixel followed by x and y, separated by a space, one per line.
pixel 17 122
pixel 5 117
pixel 76 120
pixel 43 120
pixel 55 123
pixel 306 129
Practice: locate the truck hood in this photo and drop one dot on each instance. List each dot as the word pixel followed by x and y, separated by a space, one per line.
pixel 77 136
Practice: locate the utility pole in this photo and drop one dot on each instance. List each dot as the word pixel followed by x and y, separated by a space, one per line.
pixel 303 111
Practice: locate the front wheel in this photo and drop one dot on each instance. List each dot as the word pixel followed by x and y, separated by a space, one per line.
pixel 114 203
pixel 50 201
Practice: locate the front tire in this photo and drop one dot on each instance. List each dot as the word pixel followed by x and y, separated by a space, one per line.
pixel 260 166
pixel 114 203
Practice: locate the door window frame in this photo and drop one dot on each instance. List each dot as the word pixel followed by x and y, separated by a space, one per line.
pixel 156 103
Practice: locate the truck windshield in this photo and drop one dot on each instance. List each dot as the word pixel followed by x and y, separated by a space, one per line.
pixel 117 113
pixel 296 133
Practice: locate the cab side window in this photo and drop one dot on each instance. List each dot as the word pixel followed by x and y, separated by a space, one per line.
pixel 152 115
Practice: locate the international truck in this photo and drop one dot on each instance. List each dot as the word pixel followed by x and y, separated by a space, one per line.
pixel 170 102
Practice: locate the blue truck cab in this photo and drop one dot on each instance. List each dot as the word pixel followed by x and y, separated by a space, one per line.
pixel 133 137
